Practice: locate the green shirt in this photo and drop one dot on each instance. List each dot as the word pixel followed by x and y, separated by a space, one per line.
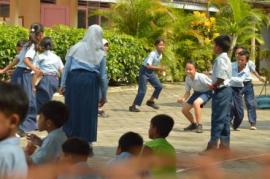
pixel 161 147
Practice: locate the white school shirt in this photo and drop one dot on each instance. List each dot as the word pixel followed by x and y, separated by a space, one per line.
pixel 251 67
pixel 199 83
pixel 12 159
pixel 27 52
pixel 50 148
pixel 153 59
pixel 49 63
pixel 222 69
pixel 238 77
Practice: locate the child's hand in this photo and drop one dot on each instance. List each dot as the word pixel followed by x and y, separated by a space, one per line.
pixel 30 148
pixel 61 91
pixel 162 68
pixel 101 102
pixel 261 79
pixel 212 86
pixel 2 71
pixel 34 139
pixel 181 100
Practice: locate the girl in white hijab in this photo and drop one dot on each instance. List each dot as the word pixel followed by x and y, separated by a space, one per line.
pixel 84 74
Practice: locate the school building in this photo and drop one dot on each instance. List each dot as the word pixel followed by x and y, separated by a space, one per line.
pixel 74 13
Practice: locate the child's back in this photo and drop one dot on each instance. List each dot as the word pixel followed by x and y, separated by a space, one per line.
pixel 160 127
pixel 129 145
pixel 76 152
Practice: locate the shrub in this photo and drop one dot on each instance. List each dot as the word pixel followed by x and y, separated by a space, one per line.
pixel 125 57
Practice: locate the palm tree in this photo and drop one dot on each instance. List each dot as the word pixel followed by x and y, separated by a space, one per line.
pixel 239 20
pixel 139 18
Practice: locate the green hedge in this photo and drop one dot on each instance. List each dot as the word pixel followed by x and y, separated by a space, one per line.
pixel 124 58
pixel 8 40
pixel 123 61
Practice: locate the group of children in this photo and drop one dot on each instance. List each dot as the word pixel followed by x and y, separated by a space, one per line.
pixel 57 147
pixel 38 70
pixel 226 86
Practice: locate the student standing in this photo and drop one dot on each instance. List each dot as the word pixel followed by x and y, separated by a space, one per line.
pixel 51 66
pixel 240 71
pixel 248 90
pixel 83 77
pixel 222 96
pixel 148 74
pixel 199 83
pixel 22 75
pixel 101 111
pixel 16 60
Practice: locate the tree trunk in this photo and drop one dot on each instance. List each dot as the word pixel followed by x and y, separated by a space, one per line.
pixel 234 40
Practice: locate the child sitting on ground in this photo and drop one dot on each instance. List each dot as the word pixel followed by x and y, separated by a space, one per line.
pixel 160 127
pixel 130 144
pixel 76 152
pixel 13 109
pixel 52 117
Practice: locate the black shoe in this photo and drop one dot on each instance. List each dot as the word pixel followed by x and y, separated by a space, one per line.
pixel 152 104
pixel 20 133
pixel 133 109
pixel 199 128
pixel 102 114
pixel 191 127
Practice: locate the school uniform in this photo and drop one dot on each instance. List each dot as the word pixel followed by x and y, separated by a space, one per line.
pixel 12 159
pixel 147 75
pixel 119 158
pixel 221 103
pixel 50 64
pixel 83 76
pixel 23 77
pixel 78 77
pixel 50 148
pixel 248 93
pixel 236 82
pixel 200 88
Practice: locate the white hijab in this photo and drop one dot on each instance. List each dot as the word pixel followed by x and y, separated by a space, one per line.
pixel 90 48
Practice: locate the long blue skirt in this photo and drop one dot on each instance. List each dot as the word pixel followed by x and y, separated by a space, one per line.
pixel 23 77
pixel 81 97
pixel 46 88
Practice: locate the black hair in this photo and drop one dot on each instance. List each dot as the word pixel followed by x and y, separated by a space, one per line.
pixel 163 123
pixel 191 62
pixel 55 111
pixel 245 53
pixel 76 146
pixel 13 100
pixel 130 140
pixel 46 43
pixel 21 43
pixel 35 30
pixel 158 40
pixel 224 42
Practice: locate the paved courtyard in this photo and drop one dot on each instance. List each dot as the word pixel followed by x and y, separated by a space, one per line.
pixel 249 142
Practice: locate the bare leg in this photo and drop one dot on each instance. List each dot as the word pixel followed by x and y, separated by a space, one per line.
pixel 186 111
pixel 197 109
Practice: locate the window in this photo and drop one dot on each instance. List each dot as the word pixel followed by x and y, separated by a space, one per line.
pixel 82 18
pixel 48 1
pixel 4 10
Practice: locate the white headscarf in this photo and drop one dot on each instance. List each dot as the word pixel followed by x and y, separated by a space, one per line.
pixel 90 48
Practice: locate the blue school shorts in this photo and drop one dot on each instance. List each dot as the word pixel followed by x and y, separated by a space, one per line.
pixel 205 96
